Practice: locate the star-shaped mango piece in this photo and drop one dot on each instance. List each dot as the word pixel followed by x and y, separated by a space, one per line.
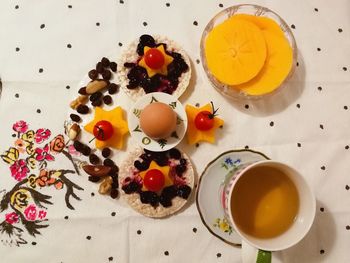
pixel 163 70
pixel 120 127
pixel 163 169
pixel 195 135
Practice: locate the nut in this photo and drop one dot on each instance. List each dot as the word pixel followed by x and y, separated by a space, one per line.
pixel 105 186
pixel 95 86
pixel 73 131
pixel 80 100
pixel 96 170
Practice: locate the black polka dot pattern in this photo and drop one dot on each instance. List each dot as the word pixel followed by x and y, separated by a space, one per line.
pixel 113 213
pixel 166 253
pixel 88 237
pixel 144 24
pixel 218 255
pixel 42 26
pixel 195 23
pixel 194 230
pixel 139 232
pixel 322 209
pixel 110 259
pixel 272 123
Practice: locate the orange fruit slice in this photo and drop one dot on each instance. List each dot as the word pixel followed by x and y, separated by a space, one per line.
pixel 235 51
pixel 277 66
pixel 263 23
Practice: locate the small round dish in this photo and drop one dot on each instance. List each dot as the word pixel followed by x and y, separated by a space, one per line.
pixel 209 189
pixel 249 9
pixel 161 144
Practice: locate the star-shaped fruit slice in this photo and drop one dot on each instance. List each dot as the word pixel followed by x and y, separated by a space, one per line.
pixel 155 60
pixel 202 123
pixel 156 177
pixel 108 127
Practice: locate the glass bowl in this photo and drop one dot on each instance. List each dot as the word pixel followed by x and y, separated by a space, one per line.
pixel 255 10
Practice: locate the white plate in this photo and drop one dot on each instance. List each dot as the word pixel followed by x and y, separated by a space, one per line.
pixel 141 138
pixel 208 192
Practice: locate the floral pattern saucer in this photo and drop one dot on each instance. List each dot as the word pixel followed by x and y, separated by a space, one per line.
pixel 162 144
pixel 208 192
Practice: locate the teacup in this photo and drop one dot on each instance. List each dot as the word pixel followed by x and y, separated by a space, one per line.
pixel 270 205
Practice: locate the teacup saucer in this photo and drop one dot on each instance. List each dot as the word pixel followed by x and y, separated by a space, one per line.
pixel 162 144
pixel 208 192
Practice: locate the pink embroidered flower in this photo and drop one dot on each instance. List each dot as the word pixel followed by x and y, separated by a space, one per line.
pixel 20 126
pixel 43 154
pixel 42 135
pixel 19 169
pixel 42 214
pixel 30 212
pixel 11 218
pixel 73 151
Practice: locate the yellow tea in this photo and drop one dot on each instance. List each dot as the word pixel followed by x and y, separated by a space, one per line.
pixel 264 202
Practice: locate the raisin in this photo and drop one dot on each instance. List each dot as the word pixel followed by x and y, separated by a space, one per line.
pixel 106 74
pixel 113 66
pixel 93 158
pixel 108 162
pixel 106 152
pixel 75 117
pixel 93 74
pixel 96 96
pixel 112 88
pixel 107 99
pixel 114 193
pixel 105 62
pixel 94 179
pixel 82 91
pixel 82 109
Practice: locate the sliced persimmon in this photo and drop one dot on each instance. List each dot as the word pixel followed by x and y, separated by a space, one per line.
pixel 235 51
pixel 277 66
pixel 262 22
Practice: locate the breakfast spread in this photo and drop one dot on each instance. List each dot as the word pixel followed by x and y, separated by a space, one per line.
pixel 249 53
pixel 202 123
pixel 154 64
pixel 246 52
pixel 156 184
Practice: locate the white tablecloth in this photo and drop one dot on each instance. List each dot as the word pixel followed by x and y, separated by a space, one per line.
pixel 48 46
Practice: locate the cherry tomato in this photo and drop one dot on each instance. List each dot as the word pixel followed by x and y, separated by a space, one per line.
pixel 154 180
pixel 204 121
pixel 103 130
pixel 154 58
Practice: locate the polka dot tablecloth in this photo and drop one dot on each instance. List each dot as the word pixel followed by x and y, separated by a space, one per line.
pixel 46 49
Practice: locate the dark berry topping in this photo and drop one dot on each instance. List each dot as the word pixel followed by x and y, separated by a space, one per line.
pixel 183 161
pixel 175 153
pixel 184 191
pixel 180 169
pixel 93 158
pixel 105 62
pixel 170 191
pixel 114 193
pixel 141 166
pixel 113 66
pixel 94 179
pixel 112 88
pixel 165 201
pixel 132 187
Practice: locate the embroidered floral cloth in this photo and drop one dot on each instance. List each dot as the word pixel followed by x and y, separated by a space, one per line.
pixel 50 213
